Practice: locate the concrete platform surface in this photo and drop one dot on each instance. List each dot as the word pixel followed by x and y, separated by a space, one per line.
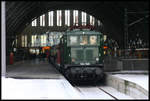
pixel 37 89
pixel 33 69
pixel 53 89
pixel 130 72
pixel 140 79
pixel 134 85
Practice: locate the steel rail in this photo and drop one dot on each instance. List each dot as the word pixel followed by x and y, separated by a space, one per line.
pixel 107 93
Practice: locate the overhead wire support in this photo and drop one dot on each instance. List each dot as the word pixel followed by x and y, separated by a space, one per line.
pixel 126 26
pixel 138 20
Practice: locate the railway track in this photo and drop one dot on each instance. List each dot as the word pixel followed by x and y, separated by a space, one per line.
pixel 108 93
pixel 100 92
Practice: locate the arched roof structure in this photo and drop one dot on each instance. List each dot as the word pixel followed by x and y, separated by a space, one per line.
pixel 20 13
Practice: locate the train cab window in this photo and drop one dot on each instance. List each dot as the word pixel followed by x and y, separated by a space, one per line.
pixel 93 40
pixel 83 40
pixel 73 40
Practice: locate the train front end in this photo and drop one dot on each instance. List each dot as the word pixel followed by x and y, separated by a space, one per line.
pixel 85 50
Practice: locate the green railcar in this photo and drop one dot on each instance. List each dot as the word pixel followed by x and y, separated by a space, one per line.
pixel 81 54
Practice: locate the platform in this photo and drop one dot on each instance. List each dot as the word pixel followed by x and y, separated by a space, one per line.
pixel 54 89
pixel 37 79
pixel 139 79
pixel 33 69
pixel 37 89
pixel 135 85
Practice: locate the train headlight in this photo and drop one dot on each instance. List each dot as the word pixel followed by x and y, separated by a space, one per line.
pixel 82 64
pixel 87 63
pixel 97 59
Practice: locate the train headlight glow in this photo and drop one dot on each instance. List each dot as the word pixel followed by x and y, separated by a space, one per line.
pixel 81 63
pixel 87 63
pixel 97 59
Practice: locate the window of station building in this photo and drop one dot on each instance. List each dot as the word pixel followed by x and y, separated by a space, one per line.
pixel 75 17
pixel 83 18
pixel 43 40
pixel 37 41
pixel 34 22
pixel 67 17
pixel 33 40
pixel 37 51
pixel 25 40
pixel 59 18
pixel 50 18
pixel 42 20
pixel 22 40
pixel 92 20
pixel 32 51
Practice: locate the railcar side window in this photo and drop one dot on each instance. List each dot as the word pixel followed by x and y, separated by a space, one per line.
pixel 93 40
pixel 83 40
pixel 73 40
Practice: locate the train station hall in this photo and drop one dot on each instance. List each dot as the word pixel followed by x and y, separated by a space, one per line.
pixel 75 50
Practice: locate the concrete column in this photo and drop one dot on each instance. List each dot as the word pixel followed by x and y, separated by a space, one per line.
pixel 3 38
pixel 71 17
pixel 79 18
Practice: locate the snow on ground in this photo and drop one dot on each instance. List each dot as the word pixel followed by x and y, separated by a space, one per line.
pixel 140 79
pixel 50 89
pixel 115 93
pixel 93 93
pixel 37 89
